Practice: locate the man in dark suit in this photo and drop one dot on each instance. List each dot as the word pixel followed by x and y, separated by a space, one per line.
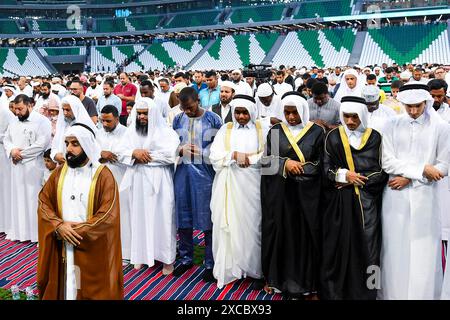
pixel 223 109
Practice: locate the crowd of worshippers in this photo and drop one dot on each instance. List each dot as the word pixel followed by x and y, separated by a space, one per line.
pixel 319 184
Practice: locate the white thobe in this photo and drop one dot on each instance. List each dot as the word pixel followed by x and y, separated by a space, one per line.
pixel 109 141
pixel 282 88
pixel 443 185
pixel 236 207
pixel 242 87
pixel 411 266
pixel 75 196
pixel 28 90
pixel 354 139
pixel 33 137
pixel 275 110
pixel 152 208
pixel 57 146
pixel 379 118
pixel 6 117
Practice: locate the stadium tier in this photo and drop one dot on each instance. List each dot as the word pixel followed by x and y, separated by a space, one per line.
pixel 62 51
pixel 257 14
pixel 324 9
pixel 236 51
pixel 127 24
pixel 21 62
pixel 9 27
pixel 322 48
pixel 403 44
pixel 190 19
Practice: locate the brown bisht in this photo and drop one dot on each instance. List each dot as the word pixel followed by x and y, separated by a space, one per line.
pixel 99 256
pixel 351 228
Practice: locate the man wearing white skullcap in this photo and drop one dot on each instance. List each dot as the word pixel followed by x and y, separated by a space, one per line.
pixel 223 108
pixel 25 141
pixel 268 104
pixel 415 155
pixel 351 85
pixel 235 202
pixel 290 194
pixel 379 115
pixel 351 220
pixel 240 86
pixel 148 149
pixel 79 226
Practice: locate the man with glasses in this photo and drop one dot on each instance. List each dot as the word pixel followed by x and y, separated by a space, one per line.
pixel 323 110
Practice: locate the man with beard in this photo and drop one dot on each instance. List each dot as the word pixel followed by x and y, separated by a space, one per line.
pixel 223 109
pixel 109 138
pixel 45 97
pixel 240 86
pixel 147 90
pixel 438 90
pixel 379 115
pixel 9 93
pixel 268 104
pixel 25 142
pixel 109 98
pixel 76 88
pixel 72 111
pixel 79 226
pixel 148 149
pixel 94 91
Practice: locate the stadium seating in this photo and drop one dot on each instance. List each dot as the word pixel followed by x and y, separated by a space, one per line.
pixel 9 27
pixel 108 25
pixel 43 26
pixel 21 62
pixel 237 51
pixel 205 18
pixel 404 44
pixel 257 14
pixel 324 9
pixel 62 51
pixel 321 48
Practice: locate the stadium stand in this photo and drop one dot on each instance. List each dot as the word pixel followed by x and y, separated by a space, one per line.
pixel 21 62
pixel 404 44
pixel 193 19
pixel 9 27
pixel 324 9
pixel 321 48
pixel 62 51
pixel 257 14
pixel 108 25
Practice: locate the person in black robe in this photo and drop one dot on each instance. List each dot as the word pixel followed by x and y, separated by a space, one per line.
pixel 351 224
pixel 290 195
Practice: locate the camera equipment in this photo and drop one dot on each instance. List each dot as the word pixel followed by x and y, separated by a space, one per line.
pixel 261 72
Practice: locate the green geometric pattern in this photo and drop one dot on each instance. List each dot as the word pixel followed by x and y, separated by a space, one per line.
pixel 257 14
pixel 266 40
pixel 243 48
pixel 9 27
pixel 310 40
pixel 144 23
pixel 214 50
pixel 188 44
pixel 161 54
pixel 21 54
pixel 405 43
pixel 106 52
pixel 340 38
pixel 324 9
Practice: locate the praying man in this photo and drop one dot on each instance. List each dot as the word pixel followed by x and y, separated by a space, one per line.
pixel 235 155
pixel 193 178
pixel 351 226
pixel 79 226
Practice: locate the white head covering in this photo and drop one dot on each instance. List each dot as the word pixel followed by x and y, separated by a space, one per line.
pixel 228 84
pixel 264 90
pixel 179 86
pixel 414 93
pixel 244 101
pixel 351 104
pixel 294 99
pixel 344 90
pixel 381 72
pixel 81 116
pixel 87 141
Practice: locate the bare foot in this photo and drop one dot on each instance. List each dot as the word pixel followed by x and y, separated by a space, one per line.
pixel 137 266
pixel 167 269
pixel 268 289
